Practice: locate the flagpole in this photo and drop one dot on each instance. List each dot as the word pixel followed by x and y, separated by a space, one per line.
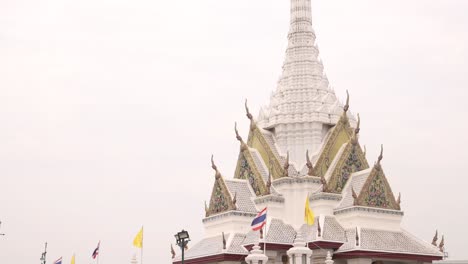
pixel 141 257
pixel 264 236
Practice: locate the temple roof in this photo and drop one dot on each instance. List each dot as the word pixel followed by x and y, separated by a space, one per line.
pixel 386 241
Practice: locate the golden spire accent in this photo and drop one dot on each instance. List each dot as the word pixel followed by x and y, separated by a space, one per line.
pixel 249 116
pixel 238 137
pixel 286 165
pixel 172 252
pixel 217 173
pixel 355 197
pixel 358 126
pixel 442 244
pixel 378 165
pixel 434 240
pixel 346 106
pixel 309 165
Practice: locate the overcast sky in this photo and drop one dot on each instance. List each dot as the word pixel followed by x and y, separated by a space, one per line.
pixel 110 110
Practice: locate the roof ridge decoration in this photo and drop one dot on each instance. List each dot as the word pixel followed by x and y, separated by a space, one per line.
pixel 434 240
pixel 246 168
pixel 376 191
pixel 221 200
pixel 257 140
pixel 341 133
pixel 352 160
pixel 442 244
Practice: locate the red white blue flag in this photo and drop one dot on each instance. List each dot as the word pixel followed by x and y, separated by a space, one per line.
pixel 96 251
pixel 260 220
pixel 58 261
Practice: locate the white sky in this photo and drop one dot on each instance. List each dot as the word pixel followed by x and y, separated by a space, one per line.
pixel 110 110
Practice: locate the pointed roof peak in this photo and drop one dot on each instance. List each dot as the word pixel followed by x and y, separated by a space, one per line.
pixel 215 168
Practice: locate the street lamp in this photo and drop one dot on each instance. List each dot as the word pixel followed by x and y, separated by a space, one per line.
pixel 182 239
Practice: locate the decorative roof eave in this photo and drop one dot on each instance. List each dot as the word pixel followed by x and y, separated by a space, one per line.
pixel 325 196
pixel 228 214
pixel 367 209
pixel 265 150
pixel 293 180
pixel 376 191
pixel 353 253
pixel 269 198
pixel 221 199
pixel 334 142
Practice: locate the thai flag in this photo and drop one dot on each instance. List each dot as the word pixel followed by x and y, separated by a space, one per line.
pixel 96 251
pixel 260 220
pixel 58 261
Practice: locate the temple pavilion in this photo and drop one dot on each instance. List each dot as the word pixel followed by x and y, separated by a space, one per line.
pixel 305 145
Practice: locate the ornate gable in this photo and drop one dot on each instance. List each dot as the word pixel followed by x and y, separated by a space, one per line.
pixel 257 141
pixel 340 134
pixel 352 160
pixel 221 200
pixel 376 191
pixel 246 169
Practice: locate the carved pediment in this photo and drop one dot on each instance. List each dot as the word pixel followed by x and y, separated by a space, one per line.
pixel 351 160
pixel 377 192
pixel 246 169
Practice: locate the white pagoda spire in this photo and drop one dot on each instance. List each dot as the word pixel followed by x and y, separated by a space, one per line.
pixel 303 107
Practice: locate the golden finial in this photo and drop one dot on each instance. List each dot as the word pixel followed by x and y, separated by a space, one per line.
pixel 249 116
pixel 434 240
pixel 442 244
pixel 309 164
pixel 358 126
pixel 238 137
pixel 378 166
pixel 207 210
pixel 286 165
pixel 217 175
pixel 224 242
pixel 172 252
pixel 355 197
pixel 346 107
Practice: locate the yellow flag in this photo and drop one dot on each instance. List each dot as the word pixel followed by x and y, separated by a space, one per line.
pixel 138 241
pixel 73 259
pixel 309 217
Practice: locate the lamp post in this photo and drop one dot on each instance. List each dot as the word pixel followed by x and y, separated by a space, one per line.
pixel 182 239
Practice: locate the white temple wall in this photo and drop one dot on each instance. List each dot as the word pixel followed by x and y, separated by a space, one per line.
pixel 384 221
pixel 323 207
pixel 359 261
pixel 227 224
pixel 295 195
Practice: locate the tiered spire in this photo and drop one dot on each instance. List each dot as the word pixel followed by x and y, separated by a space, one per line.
pixel 303 107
